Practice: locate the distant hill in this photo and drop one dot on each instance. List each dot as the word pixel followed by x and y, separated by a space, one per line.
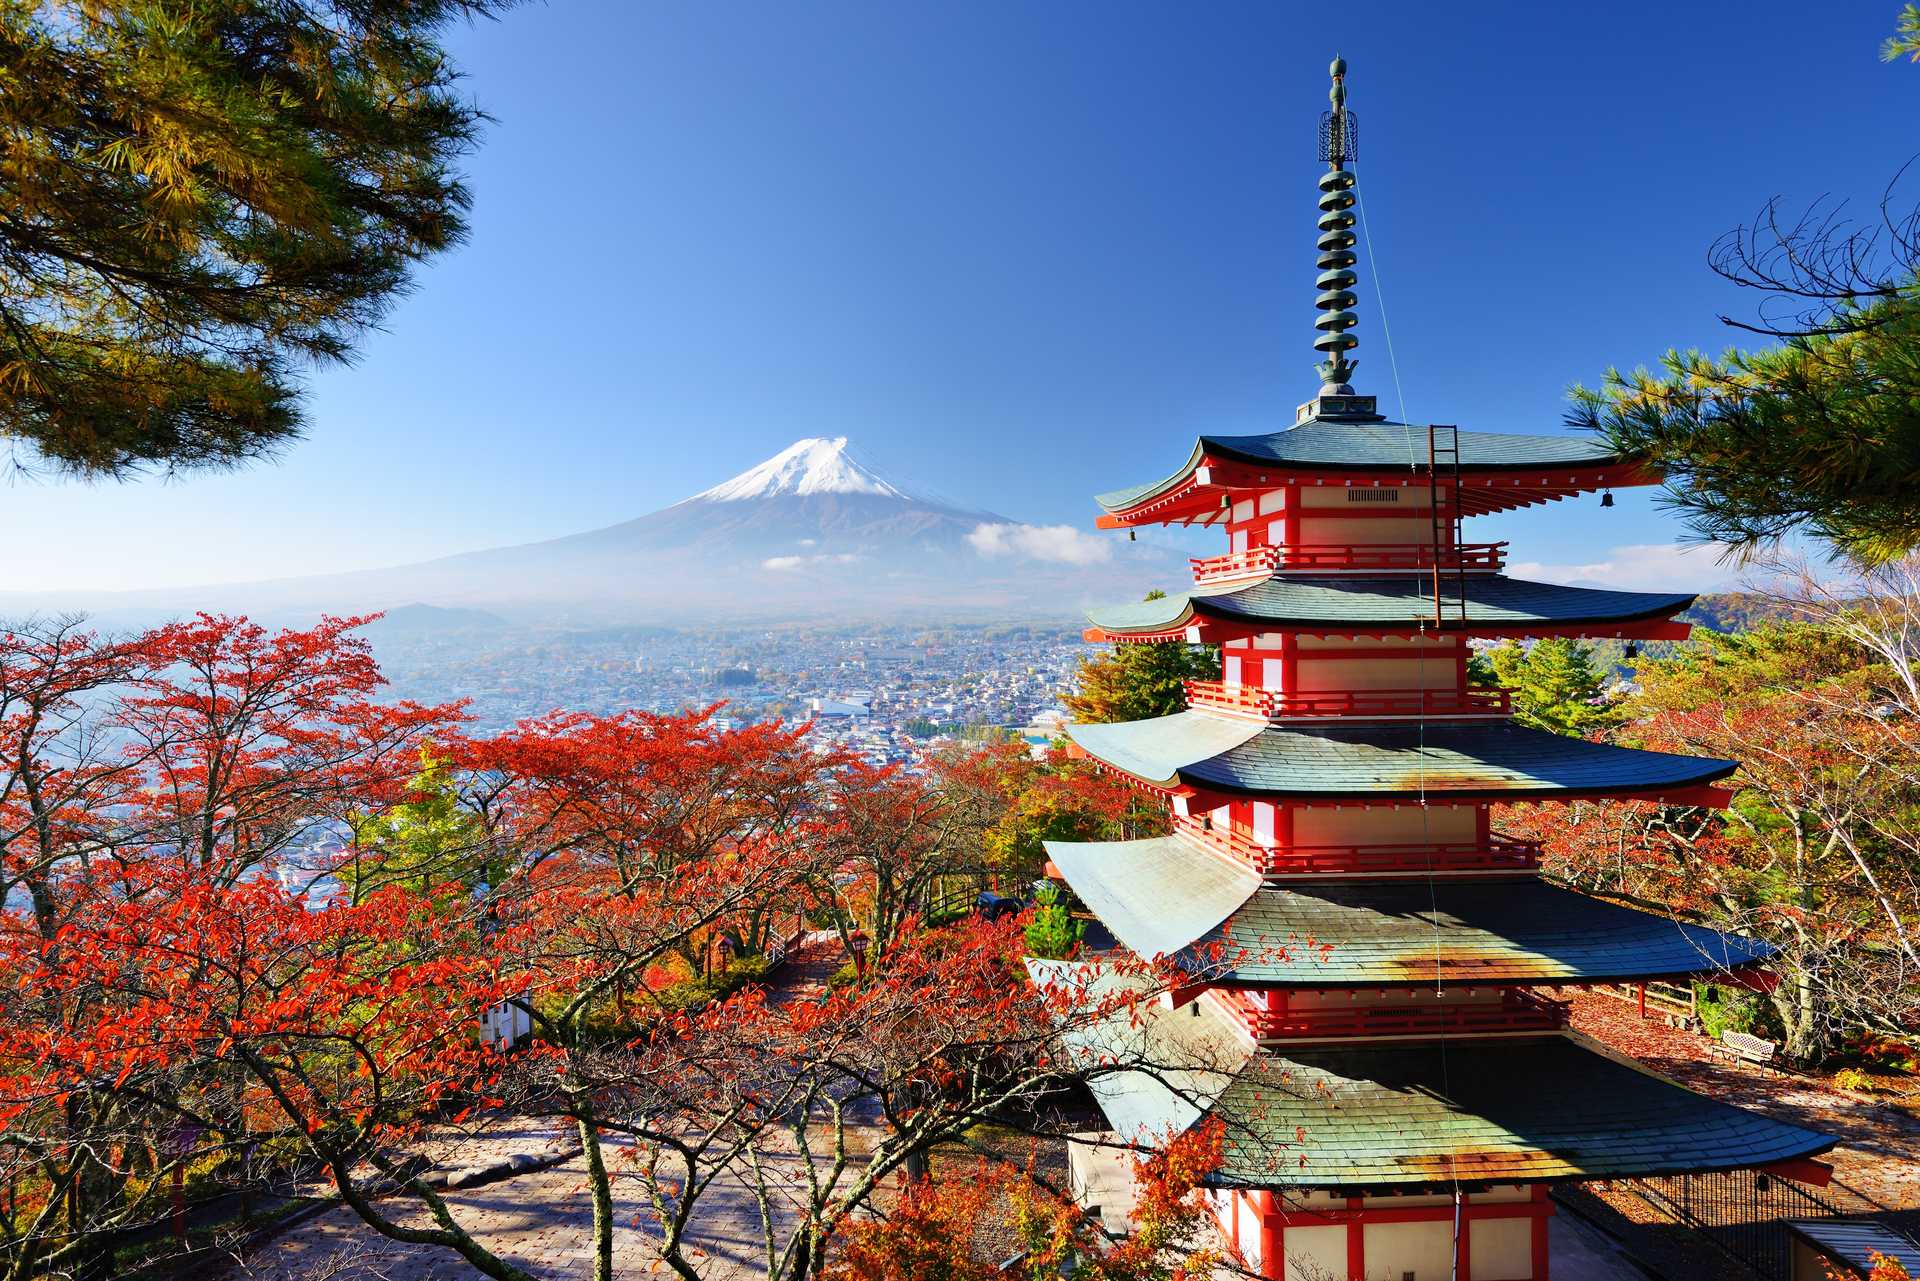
pixel 1734 612
pixel 809 535
pixel 418 621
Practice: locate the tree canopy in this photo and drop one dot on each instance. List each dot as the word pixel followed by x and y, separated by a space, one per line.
pixel 197 201
pixel 1817 854
pixel 1133 682
pixel 1556 684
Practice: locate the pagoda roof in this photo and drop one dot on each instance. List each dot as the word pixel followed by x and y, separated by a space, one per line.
pixel 1493 602
pixel 1344 446
pixel 1410 1115
pixel 1236 756
pixel 1166 896
pixel 1529 1111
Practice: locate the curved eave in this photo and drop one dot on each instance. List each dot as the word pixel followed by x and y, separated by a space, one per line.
pixel 1495 605
pixel 1165 897
pixel 1157 896
pixel 1403 1117
pixel 1154 751
pixel 1519 932
pixel 1499 479
pixel 1219 758
pixel 1556 1109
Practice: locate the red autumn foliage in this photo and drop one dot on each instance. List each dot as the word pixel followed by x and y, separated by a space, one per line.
pixel 944 1228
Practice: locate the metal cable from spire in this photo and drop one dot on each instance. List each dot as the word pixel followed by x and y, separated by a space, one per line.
pixel 1339 147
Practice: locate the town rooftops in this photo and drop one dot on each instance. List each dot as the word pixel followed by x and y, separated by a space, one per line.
pixel 1230 756
pixel 1409 1116
pixel 1494 604
pixel 1167 897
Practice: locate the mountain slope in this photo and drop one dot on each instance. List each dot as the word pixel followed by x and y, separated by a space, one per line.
pixel 809 534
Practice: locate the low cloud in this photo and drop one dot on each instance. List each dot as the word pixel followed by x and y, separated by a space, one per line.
pixel 1062 544
pixel 1644 567
pixel 782 564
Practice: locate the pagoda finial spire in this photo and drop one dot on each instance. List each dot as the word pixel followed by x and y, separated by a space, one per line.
pixel 1339 145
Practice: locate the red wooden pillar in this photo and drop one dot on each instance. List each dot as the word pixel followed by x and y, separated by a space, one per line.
pixel 1272 1262
pixel 1356 1240
pixel 1641 990
pixel 1540 1232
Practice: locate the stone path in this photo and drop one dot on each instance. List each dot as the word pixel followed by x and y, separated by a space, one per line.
pixel 542 1222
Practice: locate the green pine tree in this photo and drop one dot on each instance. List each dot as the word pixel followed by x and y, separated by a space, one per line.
pixel 201 200
pixel 429 841
pixel 1053 934
pixel 1819 434
pixel 1133 682
pixel 1556 684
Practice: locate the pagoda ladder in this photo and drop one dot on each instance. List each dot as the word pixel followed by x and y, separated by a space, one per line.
pixel 1443 450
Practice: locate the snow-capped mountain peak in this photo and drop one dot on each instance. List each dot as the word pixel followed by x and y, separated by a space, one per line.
pixel 818 465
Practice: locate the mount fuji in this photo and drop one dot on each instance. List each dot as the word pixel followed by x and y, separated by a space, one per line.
pixel 810 534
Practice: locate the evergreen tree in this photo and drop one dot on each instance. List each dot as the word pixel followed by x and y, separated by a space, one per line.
pixel 200 199
pixel 1053 934
pixel 430 842
pixel 1556 684
pixel 1133 682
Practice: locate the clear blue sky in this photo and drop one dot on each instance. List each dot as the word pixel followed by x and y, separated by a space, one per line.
pixel 1019 252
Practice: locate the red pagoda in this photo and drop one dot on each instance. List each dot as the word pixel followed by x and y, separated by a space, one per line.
pixel 1370 960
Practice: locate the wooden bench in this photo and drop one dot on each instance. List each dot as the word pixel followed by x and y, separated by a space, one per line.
pixel 1749 1048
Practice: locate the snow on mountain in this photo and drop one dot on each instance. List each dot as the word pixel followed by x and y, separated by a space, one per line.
pixel 817 465
pixel 809 534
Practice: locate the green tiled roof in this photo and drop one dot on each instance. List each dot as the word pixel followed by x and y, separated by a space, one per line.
pixel 1457 758
pixel 1503 1112
pixel 1351 446
pixel 1507 930
pixel 1492 600
pixel 1165 896
pixel 1187 1061
pixel 1407 1115
pixel 1155 749
pixel 1156 895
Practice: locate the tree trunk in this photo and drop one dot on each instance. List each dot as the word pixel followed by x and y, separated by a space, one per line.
pixel 602 1193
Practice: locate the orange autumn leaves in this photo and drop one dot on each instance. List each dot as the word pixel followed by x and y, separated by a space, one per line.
pixel 962 1224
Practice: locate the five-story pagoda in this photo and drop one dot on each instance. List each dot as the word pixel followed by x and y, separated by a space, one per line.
pixel 1367 955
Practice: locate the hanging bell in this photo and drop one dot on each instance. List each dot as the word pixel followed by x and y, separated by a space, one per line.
pixel 1633 649
pixel 1131 533
pixel 1606 499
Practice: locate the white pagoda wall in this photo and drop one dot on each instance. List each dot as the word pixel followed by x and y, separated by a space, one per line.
pixel 1384 825
pixel 1499 1246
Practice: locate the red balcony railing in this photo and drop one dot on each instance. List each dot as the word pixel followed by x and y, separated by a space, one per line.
pixel 1496 854
pixel 1348 556
pixel 1517 1011
pixel 1273 704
